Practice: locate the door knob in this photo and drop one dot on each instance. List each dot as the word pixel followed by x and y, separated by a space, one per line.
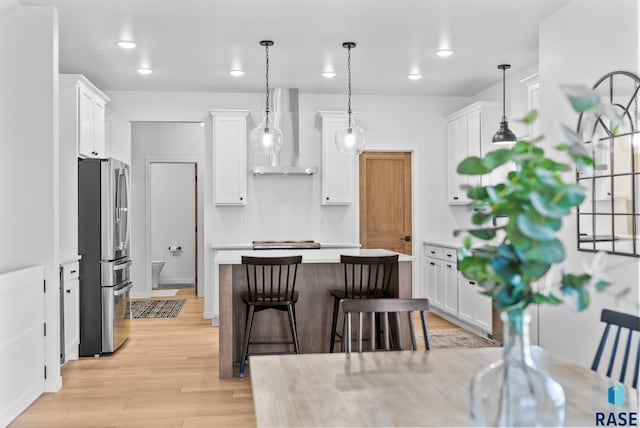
pixel 407 239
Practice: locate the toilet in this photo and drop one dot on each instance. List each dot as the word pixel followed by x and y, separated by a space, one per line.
pixel 156 268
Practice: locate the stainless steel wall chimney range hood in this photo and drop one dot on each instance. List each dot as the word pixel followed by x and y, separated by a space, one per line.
pixel 285 116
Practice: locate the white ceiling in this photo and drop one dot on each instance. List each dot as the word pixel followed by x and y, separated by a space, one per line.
pixel 192 44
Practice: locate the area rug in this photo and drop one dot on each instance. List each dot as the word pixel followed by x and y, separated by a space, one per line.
pixel 156 308
pixel 456 338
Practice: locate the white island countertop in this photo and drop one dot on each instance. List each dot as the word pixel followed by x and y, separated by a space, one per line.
pixel 328 255
pixel 249 246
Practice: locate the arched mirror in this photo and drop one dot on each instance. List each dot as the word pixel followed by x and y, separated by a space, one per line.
pixel 609 218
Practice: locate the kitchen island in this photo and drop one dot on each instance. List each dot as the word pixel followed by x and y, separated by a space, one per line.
pixel 319 272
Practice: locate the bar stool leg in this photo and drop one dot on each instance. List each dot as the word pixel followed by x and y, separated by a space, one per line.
pixel 334 322
pixel 247 334
pixel 292 325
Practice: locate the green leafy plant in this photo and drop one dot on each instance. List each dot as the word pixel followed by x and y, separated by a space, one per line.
pixel 524 214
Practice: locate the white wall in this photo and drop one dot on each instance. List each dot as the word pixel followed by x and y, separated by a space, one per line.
pixel 289 207
pixel 577 45
pixel 161 142
pixel 29 157
pixel 173 220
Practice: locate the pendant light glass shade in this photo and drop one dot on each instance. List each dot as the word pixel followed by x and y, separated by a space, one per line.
pixel 266 138
pixel 351 137
pixel 504 134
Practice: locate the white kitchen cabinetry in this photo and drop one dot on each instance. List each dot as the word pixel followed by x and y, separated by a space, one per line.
pixel 338 168
pixel 451 288
pixel 230 156
pixel 435 282
pixel 71 315
pixel 473 307
pixel 82 115
pixel 469 133
pixel 451 294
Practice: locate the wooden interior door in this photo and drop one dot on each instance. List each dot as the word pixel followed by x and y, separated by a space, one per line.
pixel 385 201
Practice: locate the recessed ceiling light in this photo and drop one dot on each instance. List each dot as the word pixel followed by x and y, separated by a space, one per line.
pixel 328 74
pixel 415 76
pixel 144 71
pixel 443 53
pixel 126 44
pixel 237 73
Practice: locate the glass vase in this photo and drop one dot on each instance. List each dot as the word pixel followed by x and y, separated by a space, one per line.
pixel 513 392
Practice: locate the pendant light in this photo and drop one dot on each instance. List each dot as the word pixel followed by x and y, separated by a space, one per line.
pixel 350 138
pixel 504 134
pixel 266 138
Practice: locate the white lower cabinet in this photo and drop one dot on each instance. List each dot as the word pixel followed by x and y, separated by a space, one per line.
pixel 451 288
pixel 71 293
pixel 435 282
pixel 473 306
pixel 453 294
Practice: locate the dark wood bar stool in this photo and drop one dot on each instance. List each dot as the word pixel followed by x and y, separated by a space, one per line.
pixel 364 278
pixel 271 283
pixel 383 308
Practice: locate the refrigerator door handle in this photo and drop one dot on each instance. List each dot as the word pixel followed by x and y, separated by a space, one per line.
pixel 123 265
pixel 123 290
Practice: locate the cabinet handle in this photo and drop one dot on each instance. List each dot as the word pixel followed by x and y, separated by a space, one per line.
pixel 448 266
pixel 432 263
pixel 327 198
pixel 472 282
pixel 448 254
pixel 68 291
pixel 94 153
pixel 433 252
pixel 455 198
pixel 73 271
pixel 241 198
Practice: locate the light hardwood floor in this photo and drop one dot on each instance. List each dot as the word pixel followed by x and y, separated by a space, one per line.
pixel 165 375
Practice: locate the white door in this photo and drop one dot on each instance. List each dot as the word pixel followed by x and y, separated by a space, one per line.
pixel 22 368
pixel 173 221
pixel 466 300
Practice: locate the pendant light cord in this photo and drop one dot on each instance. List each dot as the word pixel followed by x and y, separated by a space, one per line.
pixel 349 83
pixel 504 115
pixel 266 110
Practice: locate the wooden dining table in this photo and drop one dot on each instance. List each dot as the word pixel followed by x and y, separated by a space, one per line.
pixel 403 388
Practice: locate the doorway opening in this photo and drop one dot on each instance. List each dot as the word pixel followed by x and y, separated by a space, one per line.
pixel 385 201
pixel 173 223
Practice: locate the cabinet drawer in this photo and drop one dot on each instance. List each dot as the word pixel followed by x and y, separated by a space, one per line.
pixel 70 271
pixel 449 254
pixel 450 264
pixel 433 251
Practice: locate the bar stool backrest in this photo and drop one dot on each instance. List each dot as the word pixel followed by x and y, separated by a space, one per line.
pixel 621 321
pixel 368 277
pixel 271 279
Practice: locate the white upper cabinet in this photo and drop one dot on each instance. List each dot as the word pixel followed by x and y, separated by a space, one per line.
pixel 337 167
pixel 469 133
pixel 229 156
pixel 82 115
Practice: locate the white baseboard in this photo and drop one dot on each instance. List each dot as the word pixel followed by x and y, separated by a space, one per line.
pixel 207 315
pixel 177 281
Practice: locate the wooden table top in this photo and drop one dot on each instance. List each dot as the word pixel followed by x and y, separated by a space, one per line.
pixel 402 388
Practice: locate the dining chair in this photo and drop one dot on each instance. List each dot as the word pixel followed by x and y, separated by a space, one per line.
pixel 622 321
pixel 384 308
pixel 364 278
pixel 271 283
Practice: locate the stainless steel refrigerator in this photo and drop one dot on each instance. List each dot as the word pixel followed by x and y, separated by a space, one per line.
pixel 104 244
